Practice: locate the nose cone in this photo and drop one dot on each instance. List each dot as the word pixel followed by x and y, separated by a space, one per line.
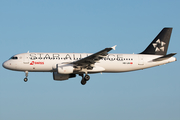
pixel 5 65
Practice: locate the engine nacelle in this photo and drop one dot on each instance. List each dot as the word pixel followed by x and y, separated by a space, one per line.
pixel 65 69
pixel 61 77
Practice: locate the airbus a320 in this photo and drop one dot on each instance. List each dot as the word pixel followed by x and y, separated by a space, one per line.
pixel 67 65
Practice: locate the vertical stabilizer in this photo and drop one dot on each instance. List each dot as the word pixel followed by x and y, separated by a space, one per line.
pixel 160 44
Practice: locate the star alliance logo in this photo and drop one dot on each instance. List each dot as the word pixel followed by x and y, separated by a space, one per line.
pixel 159 45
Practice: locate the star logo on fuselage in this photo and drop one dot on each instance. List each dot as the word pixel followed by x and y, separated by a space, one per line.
pixel 159 45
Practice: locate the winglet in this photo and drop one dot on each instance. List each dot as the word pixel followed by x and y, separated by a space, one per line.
pixel 114 47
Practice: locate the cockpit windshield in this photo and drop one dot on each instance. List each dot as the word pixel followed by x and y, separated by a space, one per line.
pixel 14 57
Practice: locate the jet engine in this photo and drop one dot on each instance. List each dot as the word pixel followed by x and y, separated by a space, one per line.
pixel 61 77
pixel 65 69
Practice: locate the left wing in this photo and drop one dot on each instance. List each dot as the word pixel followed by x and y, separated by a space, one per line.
pixel 88 61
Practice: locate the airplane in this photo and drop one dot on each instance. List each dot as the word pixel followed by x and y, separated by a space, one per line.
pixel 68 65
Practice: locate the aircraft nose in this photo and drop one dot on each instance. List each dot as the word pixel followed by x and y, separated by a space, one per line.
pixel 5 65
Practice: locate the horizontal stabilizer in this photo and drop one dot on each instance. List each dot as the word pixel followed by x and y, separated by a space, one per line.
pixel 163 57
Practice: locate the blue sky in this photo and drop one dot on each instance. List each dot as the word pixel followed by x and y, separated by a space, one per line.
pixel 87 27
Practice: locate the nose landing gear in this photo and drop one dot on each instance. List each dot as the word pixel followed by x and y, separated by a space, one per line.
pixel 26 74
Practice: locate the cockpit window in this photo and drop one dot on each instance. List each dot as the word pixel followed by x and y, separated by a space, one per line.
pixel 14 57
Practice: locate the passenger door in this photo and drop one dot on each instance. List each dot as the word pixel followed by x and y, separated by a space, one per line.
pixel 140 60
pixel 26 58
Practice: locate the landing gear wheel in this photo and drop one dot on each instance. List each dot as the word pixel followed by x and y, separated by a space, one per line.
pixel 25 79
pixel 86 77
pixel 83 82
pixel 26 74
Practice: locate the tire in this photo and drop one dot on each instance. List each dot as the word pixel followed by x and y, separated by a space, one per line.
pixel 83 82
pixel 25 79
pixel 86 77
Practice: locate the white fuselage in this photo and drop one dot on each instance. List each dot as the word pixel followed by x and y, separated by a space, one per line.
pixel 46 62
pixel 67 65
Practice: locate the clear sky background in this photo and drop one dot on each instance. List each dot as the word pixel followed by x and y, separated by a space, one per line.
pixel 87 27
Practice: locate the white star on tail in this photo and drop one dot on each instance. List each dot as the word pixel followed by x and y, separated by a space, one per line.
pixel 159 45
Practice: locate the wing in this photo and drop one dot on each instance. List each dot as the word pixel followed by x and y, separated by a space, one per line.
pixel 88 61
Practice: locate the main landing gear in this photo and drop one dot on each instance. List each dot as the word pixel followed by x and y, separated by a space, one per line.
pixel 26 74
pixel 84 78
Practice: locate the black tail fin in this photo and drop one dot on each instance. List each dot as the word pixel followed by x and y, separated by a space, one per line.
pixel 160 44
